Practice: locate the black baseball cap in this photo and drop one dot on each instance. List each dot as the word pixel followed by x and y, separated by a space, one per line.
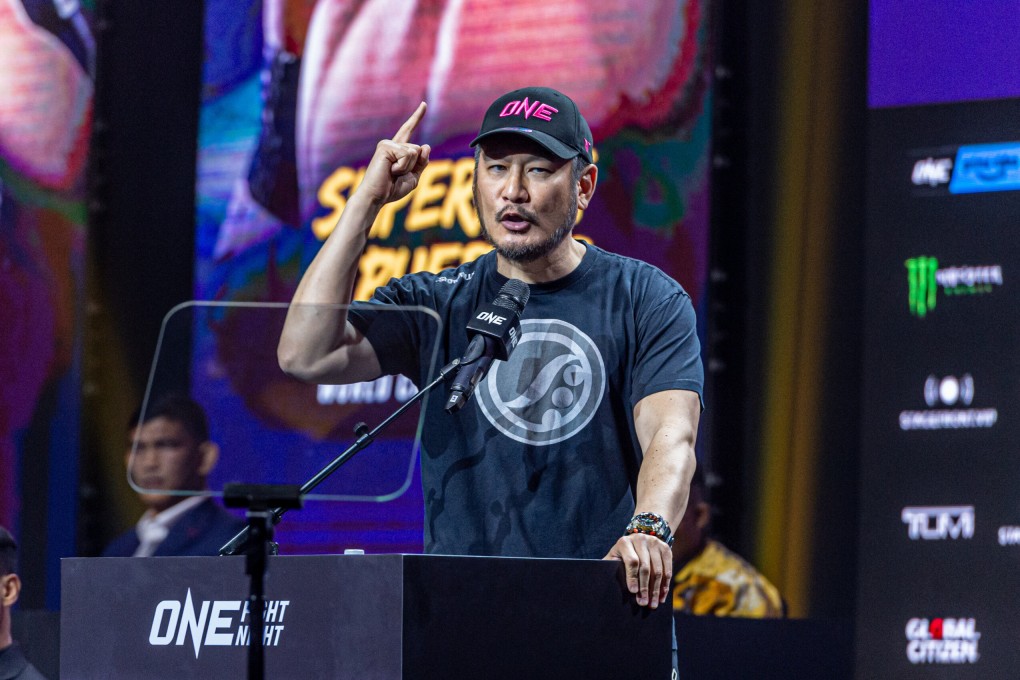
pixel 545 115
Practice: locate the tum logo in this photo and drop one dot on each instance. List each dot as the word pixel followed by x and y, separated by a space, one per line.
pixel 922 284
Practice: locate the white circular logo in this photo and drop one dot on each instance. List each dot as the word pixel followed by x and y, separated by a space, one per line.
pixel 949 390
pixel 549 389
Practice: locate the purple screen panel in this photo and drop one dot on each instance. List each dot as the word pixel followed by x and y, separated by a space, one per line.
pixel 940 51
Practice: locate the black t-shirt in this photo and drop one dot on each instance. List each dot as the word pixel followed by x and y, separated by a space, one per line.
pixel 543 461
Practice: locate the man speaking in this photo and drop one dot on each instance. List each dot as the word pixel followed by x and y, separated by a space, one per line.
pixel 581 444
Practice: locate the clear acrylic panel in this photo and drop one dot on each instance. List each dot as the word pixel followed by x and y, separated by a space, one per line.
pixel 264 426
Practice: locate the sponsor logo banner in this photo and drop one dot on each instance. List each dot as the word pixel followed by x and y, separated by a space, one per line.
pixel 942 641
pixel 1009 535
pixel 925 278
pixel 943 397
pixel 932 172
pixel 986 167
pixel 939 523
pixel 969 169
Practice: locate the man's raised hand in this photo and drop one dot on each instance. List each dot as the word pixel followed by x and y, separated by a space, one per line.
pixel 396 165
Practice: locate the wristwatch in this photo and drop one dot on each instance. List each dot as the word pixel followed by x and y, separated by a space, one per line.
pixel 651 524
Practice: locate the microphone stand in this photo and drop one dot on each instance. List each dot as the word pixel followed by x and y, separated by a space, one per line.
pixel 258 498
pixel 255 540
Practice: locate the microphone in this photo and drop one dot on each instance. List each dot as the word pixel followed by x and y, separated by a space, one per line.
pixel 494 330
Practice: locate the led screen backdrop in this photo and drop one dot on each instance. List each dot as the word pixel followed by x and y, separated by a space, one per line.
pixel 296 96
pixel 46 63
pixel 940 517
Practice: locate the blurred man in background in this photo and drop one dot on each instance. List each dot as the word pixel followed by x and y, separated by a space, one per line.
pixel 708 577
pixel 173 453
pixel 13 664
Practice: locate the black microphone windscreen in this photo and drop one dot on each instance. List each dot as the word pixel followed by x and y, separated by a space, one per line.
pixel 513 295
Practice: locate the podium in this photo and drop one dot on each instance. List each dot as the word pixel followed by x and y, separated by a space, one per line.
pixel 360 617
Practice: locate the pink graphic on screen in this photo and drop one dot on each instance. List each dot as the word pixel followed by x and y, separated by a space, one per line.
pixel 45 120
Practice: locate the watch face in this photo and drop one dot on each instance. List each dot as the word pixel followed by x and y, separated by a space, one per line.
pixel 645 524
pixel 650 523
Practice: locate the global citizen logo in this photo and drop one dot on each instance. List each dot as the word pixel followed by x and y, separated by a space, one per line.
pixel 216 623
pixel 948 391
pixel 942 641
pixel 938 523
pixel 925 277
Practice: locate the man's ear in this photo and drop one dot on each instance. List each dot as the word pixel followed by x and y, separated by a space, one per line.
pixel 10 589
pixel 210 454
pixel 586 186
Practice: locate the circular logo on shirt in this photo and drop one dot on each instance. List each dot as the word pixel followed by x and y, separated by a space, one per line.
pixel 549 389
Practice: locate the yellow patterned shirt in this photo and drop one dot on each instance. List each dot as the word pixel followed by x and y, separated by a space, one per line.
pixel 721 583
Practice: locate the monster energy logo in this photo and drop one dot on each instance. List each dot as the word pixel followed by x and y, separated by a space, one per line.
pixel 925 278
pixel 921 279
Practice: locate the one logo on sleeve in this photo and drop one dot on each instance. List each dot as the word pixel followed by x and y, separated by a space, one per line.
pixel 550 388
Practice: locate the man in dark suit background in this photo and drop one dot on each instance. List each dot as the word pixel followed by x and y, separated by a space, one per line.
pixel 173 453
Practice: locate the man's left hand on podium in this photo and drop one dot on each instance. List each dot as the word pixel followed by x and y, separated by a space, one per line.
pixel 648 563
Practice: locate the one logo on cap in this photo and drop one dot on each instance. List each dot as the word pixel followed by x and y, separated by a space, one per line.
pixel 528 109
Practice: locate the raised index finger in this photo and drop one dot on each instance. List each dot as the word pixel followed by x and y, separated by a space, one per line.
pixel 404 133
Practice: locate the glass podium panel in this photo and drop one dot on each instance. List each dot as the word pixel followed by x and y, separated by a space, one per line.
pixel 268 427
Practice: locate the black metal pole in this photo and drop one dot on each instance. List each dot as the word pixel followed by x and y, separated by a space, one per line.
pixel 257 498
pixel 261 534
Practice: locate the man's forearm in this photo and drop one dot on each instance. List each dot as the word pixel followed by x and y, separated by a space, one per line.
pixel 664 480
pixel 666 425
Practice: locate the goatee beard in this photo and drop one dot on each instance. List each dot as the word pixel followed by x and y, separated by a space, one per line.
pixel 530 252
